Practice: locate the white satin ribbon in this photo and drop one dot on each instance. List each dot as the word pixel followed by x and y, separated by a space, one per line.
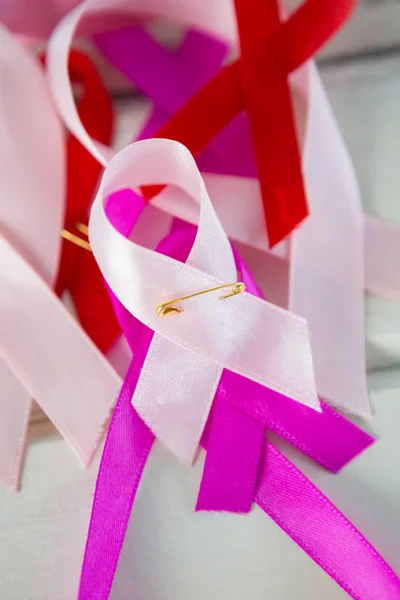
pixel 184 363
pixel 326 254
pixel 44 354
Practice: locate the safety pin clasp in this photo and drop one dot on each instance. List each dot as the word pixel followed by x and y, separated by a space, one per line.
pixel 168 308
pixel 75 239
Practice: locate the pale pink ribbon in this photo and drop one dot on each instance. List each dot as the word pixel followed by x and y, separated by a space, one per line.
pixel 188 353
pixel 326 281
pixel 44 353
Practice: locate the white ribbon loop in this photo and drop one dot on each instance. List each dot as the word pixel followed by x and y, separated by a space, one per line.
pixel 243 334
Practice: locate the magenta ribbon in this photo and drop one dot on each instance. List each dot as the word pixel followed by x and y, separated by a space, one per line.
pixel 241 465
pixel 170 79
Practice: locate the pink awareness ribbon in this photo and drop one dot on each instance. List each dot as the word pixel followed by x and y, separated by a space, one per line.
pixel 44 354
pixel 230 152
pixel 326 279
pixel 202 343
pixel 240 464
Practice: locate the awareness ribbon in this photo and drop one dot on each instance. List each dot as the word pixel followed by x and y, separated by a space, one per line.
pixel 234 435
pixel 323 253
pixel 274 349
pixel 78 272
pixel 44 354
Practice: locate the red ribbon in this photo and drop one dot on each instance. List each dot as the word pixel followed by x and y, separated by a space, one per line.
pixel 271 118
pixel 78 270
pixel 271 50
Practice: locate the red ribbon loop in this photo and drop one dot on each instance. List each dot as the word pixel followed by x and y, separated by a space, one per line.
pixel 78 271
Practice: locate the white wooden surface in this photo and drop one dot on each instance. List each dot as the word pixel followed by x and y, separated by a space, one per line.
pixel 169 551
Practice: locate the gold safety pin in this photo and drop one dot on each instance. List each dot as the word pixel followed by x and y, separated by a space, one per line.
pixel 75 239
pixel 168 308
